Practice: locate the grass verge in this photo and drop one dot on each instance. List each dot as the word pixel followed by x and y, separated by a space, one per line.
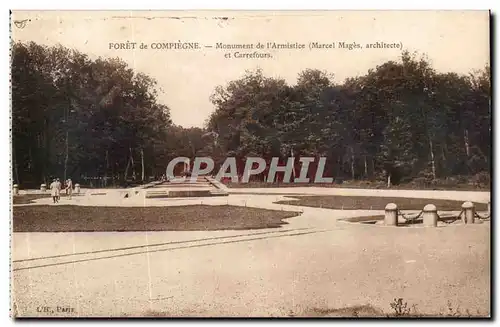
pixel 374 203
pixel 48 218
pixel 28 198
pixel 366 185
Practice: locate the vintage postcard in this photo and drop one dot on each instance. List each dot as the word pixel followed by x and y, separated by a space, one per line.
pixel 250 164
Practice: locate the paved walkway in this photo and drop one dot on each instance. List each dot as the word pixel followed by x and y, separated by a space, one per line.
pixel 313 264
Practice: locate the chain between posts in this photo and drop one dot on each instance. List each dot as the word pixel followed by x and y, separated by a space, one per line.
pixel 485 217
pixel 452 219
pixel 446 220
pixel 410 218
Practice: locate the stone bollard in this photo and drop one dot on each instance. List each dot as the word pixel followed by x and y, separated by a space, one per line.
pixel 468 217
pixel 43 188
pixel 77 188
pixel 15 189
pixel 430 216
pixel 391 214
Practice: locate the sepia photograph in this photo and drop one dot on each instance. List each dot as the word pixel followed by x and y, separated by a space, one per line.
pixel 250 164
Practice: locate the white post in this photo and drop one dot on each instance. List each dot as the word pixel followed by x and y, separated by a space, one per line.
pixel 43 188
pixel 16 189
pixel 468 217
pixel 430 216
pixel 391 214
pixel 77 188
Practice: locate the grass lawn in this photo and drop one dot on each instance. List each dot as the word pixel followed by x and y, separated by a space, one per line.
pixel 48 218
pixel 363 185
pixel 375 203
pixel 28 198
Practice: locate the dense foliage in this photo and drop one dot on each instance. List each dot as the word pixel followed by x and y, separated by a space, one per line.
pixel 77 117
pixel 401 121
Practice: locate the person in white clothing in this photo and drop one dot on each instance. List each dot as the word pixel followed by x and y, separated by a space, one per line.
pixel 69 188
pixel 53 190
pixel 58 189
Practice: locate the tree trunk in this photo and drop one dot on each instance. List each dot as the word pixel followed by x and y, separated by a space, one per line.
pixel 30 160
pixel 339 167
pixel 45 153
pixel 373 167
pixel 388 180
pixel 16 172
pixel 466 141
pixel 67 154
pixel 106 170
pixel 133 165
pixel 433 164
pixel 142 164
pixel 113 174
pixel 352 167
pixel 126 169
pixel 352 162
pixel 366 168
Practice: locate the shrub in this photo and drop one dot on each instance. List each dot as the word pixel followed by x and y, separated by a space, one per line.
pixel 481 179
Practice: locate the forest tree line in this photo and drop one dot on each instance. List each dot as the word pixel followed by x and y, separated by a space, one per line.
pixel 402 121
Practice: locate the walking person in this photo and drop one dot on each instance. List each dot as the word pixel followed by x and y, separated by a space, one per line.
pixel 58 189
pixel 53 190
pixel 69 188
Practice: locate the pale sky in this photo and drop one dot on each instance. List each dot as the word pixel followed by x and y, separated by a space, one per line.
pixel 453 40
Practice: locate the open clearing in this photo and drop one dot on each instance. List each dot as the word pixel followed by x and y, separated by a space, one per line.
pixel 313 265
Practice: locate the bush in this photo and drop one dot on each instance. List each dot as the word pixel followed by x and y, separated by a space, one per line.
pixel 481 179
pixel 420 182
pixel 462 179
pixel 447 182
